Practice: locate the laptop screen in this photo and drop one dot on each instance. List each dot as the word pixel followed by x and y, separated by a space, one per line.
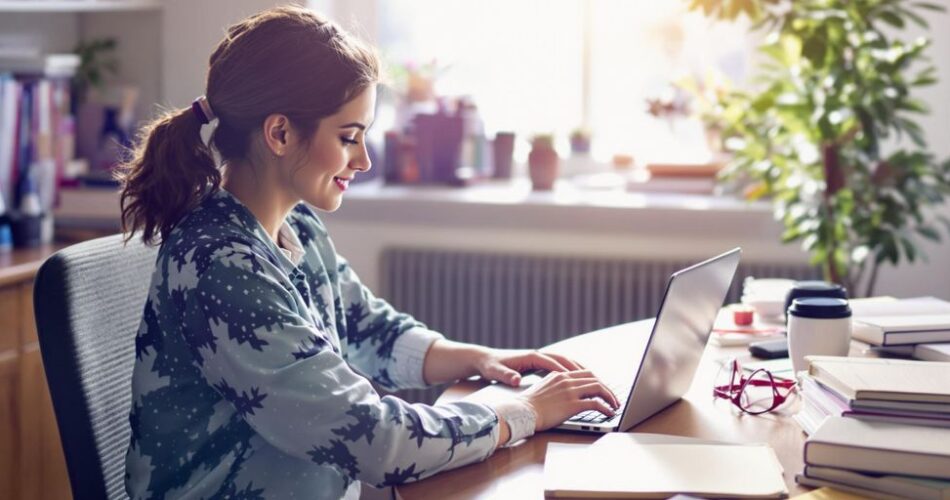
pixel 687 313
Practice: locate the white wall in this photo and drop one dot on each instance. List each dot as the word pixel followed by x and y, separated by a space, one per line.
pixel 139 36
pixel 191 29
pixel 932 277
pixel 49 32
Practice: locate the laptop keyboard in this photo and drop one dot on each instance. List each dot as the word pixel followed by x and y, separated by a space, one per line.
pixel 596 417
pixel 590 416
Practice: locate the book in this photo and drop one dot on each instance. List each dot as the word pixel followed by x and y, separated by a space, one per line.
pixel 899 486
pixel 880 448
pixel 932 352
pixel 827 492
pixel 890 306
pixel 706 170
pixel 876 404
pixel 88 204
pixel 842 489
pixel 895 322
pixel 665 184
pixel 902 330
pixel 722 338
pixel 9 109
pixel 879 379
pixel 726 333
pixel 664 466
pixel 809 418
pixel 820 402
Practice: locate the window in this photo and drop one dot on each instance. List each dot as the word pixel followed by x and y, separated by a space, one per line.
pixel 550 66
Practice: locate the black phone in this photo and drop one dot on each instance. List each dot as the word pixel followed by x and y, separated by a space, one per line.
pixel 769 349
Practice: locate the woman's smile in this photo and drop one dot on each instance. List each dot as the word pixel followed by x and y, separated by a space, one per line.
pixel 342 182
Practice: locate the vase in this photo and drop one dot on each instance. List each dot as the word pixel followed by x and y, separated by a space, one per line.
pixel 543 167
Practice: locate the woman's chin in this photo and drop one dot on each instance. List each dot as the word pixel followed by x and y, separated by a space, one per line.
pixel 325 204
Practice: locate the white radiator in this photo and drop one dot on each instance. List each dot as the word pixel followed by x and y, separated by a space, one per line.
pixel 527 301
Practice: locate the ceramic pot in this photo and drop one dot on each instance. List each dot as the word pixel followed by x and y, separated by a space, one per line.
pixel 543 167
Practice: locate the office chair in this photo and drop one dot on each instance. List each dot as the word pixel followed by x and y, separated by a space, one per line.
pixel 88 301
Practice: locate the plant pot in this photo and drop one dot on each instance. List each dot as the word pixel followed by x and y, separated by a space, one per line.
pixel 580 144
pixel 543 168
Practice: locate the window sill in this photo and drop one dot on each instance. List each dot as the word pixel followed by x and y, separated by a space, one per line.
pixel 513 204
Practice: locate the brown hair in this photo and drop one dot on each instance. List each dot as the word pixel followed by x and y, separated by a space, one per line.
pixel 286 60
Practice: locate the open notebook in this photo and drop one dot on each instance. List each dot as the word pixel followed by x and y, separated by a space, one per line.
pixel 630 465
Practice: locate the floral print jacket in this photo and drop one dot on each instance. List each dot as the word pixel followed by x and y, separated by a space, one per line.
pixel 253 369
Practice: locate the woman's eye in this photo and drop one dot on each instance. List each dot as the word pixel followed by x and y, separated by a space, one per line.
pixel 347 140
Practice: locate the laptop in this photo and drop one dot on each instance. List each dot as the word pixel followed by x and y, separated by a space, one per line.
pixel 648 364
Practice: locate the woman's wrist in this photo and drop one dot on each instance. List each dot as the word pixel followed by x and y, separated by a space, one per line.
pixel 517 420
pixel 447 361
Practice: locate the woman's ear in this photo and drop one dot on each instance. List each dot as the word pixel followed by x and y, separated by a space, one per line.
pixel 277 134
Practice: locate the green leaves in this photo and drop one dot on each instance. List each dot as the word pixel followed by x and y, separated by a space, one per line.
pixel 728 9
pixel 835 84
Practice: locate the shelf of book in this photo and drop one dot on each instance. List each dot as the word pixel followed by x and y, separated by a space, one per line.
pixel 47 6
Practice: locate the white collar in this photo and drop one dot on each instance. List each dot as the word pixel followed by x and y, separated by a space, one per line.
pixel 289 244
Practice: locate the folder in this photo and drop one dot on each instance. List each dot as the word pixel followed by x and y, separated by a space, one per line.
pixel 628 465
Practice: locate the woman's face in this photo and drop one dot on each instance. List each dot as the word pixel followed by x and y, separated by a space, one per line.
pixel 337 152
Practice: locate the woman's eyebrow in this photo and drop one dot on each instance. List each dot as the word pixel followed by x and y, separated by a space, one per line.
pixel 354 125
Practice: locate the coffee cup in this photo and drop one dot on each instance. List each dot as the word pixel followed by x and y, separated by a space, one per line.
pixel 813 288
pixel 818 326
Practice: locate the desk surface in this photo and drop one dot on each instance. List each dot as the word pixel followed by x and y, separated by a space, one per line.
pixel 516 472
pixel 22 264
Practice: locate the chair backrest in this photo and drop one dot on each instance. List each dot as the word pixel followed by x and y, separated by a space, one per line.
pixel 88 301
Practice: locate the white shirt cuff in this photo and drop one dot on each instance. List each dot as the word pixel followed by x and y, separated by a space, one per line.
pixel 521 420
pixel 409 353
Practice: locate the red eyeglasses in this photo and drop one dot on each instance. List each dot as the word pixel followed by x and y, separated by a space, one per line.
pixel 759 392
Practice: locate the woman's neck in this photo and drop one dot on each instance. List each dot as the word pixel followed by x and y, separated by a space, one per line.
pixel 261 195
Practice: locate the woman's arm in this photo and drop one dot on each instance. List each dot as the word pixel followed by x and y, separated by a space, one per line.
pixel 553 400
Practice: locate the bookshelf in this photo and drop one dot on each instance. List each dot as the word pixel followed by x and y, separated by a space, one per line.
pixel 57 26
pixel 48 6
pixel 31 460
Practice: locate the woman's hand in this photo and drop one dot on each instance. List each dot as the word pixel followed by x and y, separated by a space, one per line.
pixel 561 395
pixel 446 361
pixel 506 365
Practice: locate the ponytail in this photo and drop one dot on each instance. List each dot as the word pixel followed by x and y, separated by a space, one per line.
pixel 171 170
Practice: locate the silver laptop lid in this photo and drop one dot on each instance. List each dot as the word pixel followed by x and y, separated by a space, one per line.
pixel 687 313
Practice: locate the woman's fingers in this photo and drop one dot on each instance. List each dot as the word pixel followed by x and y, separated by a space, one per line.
pixel 568 362
pixel 563 394
pixel 597 390
pixel 594 404
pixel 538 360
pixel 504 375
pixel 583 384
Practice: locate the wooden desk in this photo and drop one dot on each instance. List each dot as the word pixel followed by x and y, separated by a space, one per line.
pixel 31 457
pixel 516 472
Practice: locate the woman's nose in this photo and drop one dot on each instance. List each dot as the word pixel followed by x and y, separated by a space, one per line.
pixel 362 162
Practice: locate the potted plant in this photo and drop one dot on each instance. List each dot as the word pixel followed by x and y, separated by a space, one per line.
pixel 97 63
pixel 580 141
pixel 543 162
pixel 829 132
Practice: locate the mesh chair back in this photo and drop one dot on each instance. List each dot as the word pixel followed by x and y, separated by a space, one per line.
pixel 88 301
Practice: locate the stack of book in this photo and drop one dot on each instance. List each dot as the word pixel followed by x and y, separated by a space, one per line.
pixel 878 427
pixel 893 390
pixel 37 135
pixel 879 459
pixel 918 327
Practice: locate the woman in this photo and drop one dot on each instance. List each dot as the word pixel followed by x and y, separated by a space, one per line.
pixel 258 342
